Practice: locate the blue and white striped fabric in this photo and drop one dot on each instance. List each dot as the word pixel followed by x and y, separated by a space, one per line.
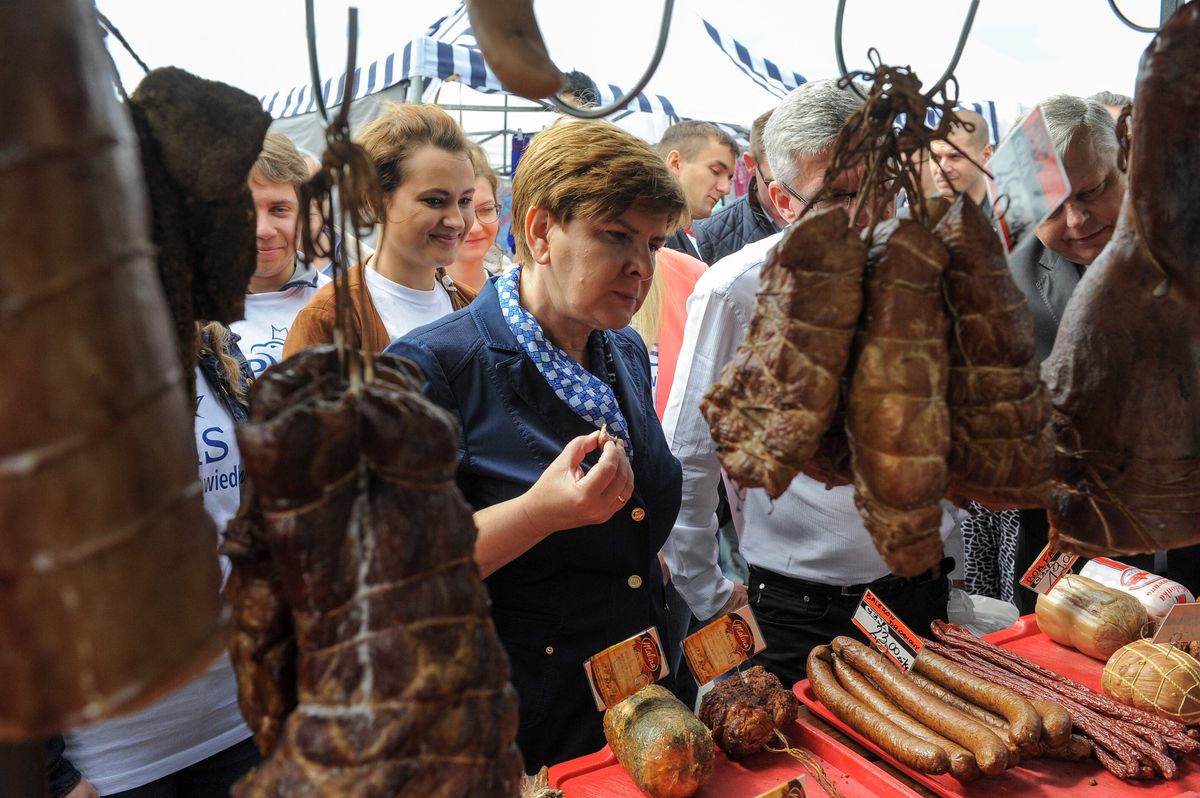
pixel 762 71
pixel 454 28
pixel 590 397
pixel 986 109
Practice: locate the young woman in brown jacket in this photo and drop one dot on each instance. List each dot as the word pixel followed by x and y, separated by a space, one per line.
pixel 428 183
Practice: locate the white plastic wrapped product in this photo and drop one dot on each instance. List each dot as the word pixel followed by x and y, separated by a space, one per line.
pixel 1156 593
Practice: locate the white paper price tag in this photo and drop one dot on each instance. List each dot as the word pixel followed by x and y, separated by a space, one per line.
pixel 1028 180
pixel 888 632
pixel 1047 570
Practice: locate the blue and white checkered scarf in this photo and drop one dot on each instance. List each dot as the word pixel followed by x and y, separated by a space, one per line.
pixel 590 397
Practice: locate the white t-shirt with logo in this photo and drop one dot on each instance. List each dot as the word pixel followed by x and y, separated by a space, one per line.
pixel 269 316
pixel 404 309
pixel 202 717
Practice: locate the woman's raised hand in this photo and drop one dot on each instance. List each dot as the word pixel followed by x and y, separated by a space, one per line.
pixel 566 497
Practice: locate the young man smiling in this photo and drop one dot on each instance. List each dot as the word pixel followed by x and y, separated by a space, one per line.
pixel 701 156
pixel 282 282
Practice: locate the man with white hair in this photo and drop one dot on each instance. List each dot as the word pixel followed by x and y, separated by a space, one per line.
pixel 1048 269
pixel 809 554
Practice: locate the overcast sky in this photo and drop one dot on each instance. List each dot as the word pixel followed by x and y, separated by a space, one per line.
pixel 1019 52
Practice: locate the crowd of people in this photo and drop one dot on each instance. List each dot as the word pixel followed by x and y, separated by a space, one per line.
pixel 575 372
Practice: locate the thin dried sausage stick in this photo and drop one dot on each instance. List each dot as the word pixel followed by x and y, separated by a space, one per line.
pixel 1122 738
pixel 949 633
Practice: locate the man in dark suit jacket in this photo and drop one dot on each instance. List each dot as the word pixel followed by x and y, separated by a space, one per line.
pixel 701 156
pixel 1048 268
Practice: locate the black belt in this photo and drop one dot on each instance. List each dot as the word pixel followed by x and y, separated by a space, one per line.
pixel 884 583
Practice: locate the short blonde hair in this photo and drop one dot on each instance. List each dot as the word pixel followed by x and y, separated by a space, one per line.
pixel 280 162
pixel 391 139
pixel 593 170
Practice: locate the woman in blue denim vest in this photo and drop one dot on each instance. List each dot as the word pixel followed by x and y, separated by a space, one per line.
pixel 570 519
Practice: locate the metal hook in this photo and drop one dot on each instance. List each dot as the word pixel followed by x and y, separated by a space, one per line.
pixel 310 25
pixel 1139 28
pixel 621 102
pixel 941 82
pixel 351 61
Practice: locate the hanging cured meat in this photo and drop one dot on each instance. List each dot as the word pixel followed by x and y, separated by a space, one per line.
pixel 109 584
pixel 1002 444
pixel 366 657
pixel 1124 374
pixel 897 419
pixel 775 399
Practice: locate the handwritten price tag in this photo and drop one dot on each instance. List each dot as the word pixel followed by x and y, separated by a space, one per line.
pixel 1047 570
pixel 1181 625
pixel 621 670
pixel 888 632
pixel 723 644
pixel 1028 180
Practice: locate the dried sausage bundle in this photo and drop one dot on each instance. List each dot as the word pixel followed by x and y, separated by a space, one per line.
pixel 775 399
pixel 1124 374
pixel 366 657
pixel 109 583
pixel 897 420
pixel 1001 440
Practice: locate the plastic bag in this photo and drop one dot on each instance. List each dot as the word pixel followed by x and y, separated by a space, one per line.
pixel 980 614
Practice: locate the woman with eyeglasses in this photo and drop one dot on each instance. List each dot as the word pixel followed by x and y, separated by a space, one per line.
pixel 469 267
pixel 428 182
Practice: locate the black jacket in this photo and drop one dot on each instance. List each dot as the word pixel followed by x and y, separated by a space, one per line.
pixel 580 590
pixel 732 228
pixel 680 242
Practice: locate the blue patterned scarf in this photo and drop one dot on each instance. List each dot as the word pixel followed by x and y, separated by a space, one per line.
pixel 590 397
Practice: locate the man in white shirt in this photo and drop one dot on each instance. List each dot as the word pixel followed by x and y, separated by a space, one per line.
pixel 810 556
pixel 282 282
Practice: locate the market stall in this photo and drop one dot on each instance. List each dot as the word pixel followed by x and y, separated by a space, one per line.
pixel 893 355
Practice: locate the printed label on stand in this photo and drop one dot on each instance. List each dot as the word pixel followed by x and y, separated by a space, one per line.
pixel 723 644
pixel 1028 180
pixel 791 789
pixel 888 632
pixel 621 670
pixel 1181 625
pixel 1048 569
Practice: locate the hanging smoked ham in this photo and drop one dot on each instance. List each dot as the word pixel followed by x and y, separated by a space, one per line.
pixel 897 420
pixel 1124 374
pixel 109 583
pixel 1001 440
pixel 774 402
pixel 366 658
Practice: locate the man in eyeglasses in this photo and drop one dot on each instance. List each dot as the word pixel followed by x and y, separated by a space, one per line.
pixel 810 557
pixel 701 156
pixel 752 217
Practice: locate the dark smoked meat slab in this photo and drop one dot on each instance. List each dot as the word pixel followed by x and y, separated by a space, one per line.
pixel 1001 440
pixel 367 662
pixel 897 419
pixel 1124 374
pixel 776 398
